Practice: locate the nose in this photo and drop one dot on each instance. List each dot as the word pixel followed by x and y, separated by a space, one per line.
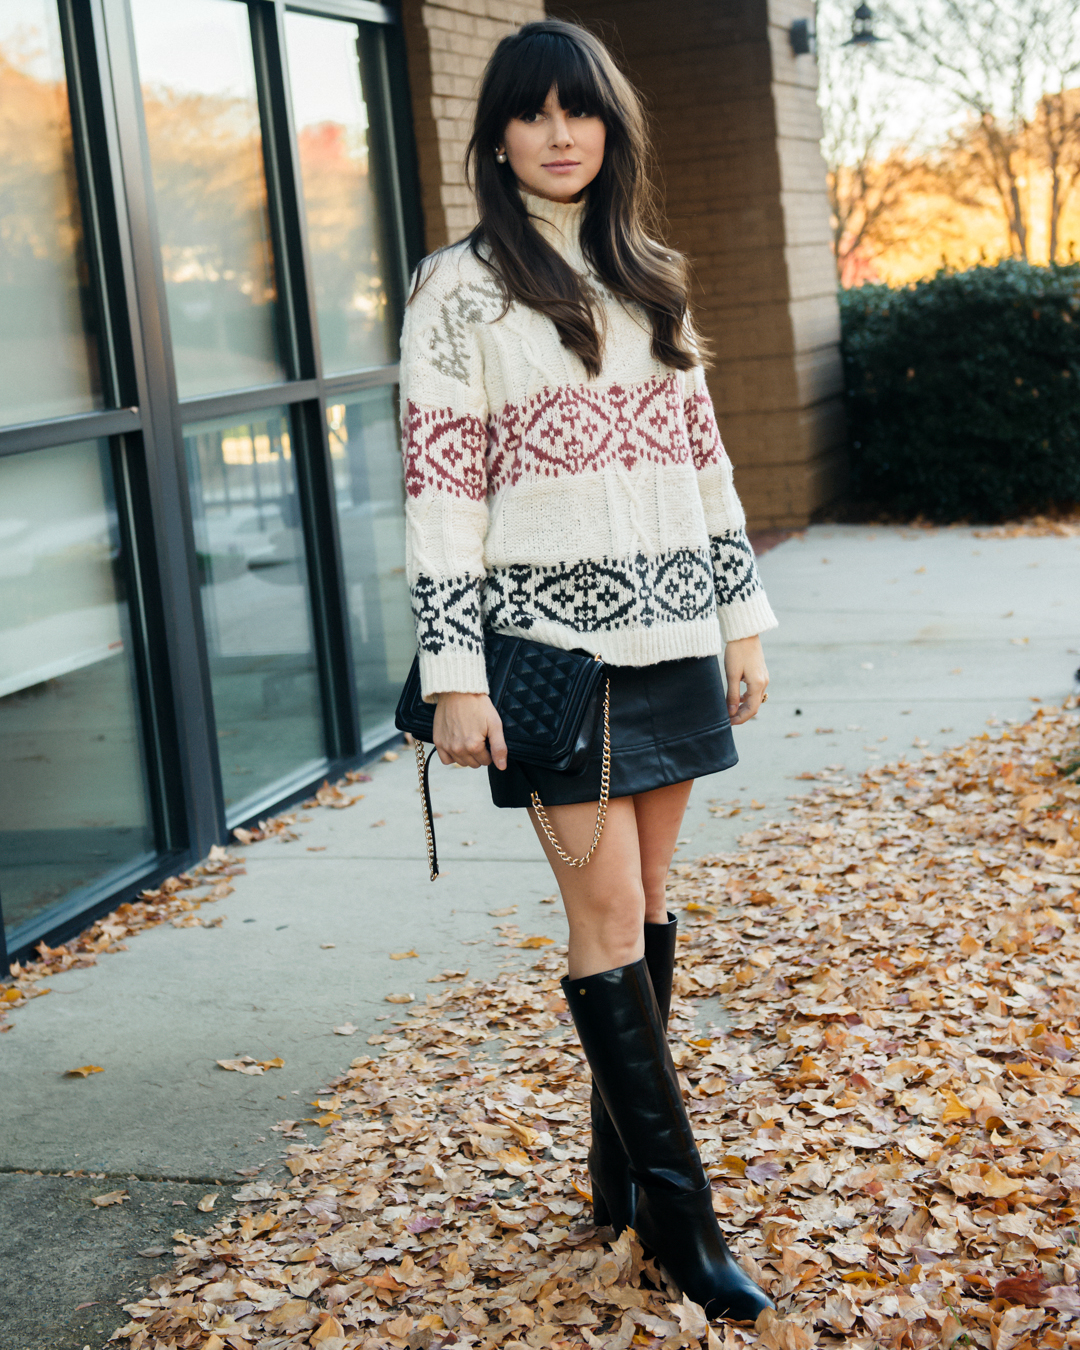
pixel 561 134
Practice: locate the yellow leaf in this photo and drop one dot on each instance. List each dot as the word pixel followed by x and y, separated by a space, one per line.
pixel 402 956
pixel 996 1184
pixel 207 1203
pixel 11 995
pixel 536 942
pixel 694 908
pixel 733 1164
pixel 84 1071
pixel 870 1276
pixel 331 1327
pixel 276 1063
pixel 326 1118
pixel 954 1108
pixel 585 1195
pixel 399 998
pixel 109 1198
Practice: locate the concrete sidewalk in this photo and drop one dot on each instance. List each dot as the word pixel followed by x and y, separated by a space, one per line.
pixel 888 637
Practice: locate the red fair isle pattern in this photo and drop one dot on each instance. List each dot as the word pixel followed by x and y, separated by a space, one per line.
pixel 705 443
pixel 444 450
pixel 573 429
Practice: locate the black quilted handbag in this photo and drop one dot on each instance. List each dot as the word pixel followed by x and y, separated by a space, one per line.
pixel 549 702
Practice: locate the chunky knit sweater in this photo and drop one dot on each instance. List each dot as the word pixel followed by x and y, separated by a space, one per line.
pixel 589 513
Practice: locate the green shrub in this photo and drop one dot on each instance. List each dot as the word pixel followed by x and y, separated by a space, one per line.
pixel 964 392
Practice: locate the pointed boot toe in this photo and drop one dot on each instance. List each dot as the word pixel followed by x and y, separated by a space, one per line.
pixel 681 1228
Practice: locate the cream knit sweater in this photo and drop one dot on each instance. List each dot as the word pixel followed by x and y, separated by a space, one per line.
pixel 591 513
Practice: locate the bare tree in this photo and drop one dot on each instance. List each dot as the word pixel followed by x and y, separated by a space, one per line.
pixel 998 61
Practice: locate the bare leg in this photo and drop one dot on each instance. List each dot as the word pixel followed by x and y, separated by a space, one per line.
pixel 609 900
pixel 659 819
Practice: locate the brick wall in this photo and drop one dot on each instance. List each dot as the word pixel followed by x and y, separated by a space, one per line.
pixel 447 46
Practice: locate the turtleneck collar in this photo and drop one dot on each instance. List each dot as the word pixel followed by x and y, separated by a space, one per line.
pixel 558 222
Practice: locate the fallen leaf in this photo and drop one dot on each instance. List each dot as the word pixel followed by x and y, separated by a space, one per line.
pixel 402 956
pixel 84 1071
pixel 399 998
pixel 207 1203
pixel 535 942
pixel 346 1029
pixel 502 913
pixel 109 1198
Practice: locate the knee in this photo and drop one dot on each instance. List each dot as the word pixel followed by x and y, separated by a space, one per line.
pixel 614 919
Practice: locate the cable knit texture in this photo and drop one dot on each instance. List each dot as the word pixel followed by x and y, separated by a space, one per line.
pixel 590 513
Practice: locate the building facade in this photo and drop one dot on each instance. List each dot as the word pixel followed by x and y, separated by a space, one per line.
pixel 209 210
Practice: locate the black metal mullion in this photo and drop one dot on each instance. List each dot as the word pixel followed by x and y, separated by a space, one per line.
pixel 207 406
pixel 335 386
pixel 329 597
pixel 66 430
pixel 159 488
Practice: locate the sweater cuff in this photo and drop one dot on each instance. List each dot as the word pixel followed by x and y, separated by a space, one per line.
pixel 746 618
pixel 452 672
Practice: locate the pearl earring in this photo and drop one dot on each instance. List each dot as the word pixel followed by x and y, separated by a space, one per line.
pixel 500 156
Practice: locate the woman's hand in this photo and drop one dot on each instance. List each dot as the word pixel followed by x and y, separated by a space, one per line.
pixel 468 731
pixel 744 663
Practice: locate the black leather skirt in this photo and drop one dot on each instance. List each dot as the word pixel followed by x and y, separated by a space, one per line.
pixel 669 723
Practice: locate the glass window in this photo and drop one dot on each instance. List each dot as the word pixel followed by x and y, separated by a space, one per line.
pixel 48 356
pixel 255 603
pixel 73 803
pixel 202 120
pixel 370 490
pixel 346 208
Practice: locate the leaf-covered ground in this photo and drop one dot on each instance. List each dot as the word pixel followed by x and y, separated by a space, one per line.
pixel 889 1114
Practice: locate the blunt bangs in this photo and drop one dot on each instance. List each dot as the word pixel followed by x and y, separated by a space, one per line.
pixel 548 60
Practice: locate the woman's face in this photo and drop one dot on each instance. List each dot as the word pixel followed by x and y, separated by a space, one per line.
pixel 556 152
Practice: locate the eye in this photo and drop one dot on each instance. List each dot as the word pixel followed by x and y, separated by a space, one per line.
pixel 529 116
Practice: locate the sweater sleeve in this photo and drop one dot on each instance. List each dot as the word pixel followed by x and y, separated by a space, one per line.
pixel 743 609
pixel 444 442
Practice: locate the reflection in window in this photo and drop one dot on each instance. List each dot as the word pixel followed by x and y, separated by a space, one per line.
pixel 202 120
pixel 347 234
pixel 370 492
pixel 48 358
pixel 255 604
pixel 72 795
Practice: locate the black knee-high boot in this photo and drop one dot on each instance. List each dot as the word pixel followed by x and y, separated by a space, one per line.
pixel 613 1190
pixel 622 1033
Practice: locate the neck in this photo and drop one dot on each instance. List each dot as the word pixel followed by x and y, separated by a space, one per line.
pixel 557 222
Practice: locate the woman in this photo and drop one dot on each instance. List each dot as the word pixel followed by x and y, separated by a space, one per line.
pixel 567 483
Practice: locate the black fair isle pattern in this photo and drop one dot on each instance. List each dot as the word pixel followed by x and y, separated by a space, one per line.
pixel 736 571
pixel 603 595
pixel 447 614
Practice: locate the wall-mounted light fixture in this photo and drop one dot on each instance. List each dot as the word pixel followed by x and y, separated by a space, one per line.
pixel 803 38
pixel 862 30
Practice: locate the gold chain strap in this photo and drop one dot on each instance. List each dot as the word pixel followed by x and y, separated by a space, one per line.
pixel 421 765
pixel 601 806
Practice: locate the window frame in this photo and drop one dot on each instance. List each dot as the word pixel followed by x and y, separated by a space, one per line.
pixel 143 417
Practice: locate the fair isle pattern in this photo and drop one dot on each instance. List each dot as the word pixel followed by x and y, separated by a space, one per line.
pixel 602 595
pixel 444 450
pixel 576 428
pixel 705 443
pixel 596 513
pixel 734 566
pixel 447 614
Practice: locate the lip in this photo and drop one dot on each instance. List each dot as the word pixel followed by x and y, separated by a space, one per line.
pixel 561 165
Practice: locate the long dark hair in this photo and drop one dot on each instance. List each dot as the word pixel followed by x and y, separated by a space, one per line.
pixel 621 222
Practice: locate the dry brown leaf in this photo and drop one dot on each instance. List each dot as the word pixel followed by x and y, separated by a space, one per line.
pixel 402 956
pixel 400 998
pixel 207 1203
pixel 109 1198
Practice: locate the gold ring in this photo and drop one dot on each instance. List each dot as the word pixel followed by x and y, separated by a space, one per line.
pixel 765 698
